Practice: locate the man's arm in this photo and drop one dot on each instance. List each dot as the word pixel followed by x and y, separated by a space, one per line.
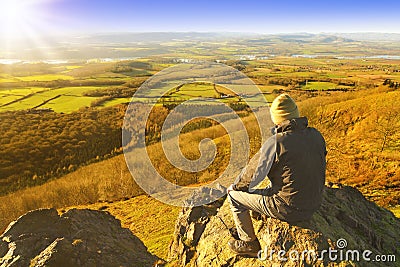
pixel 257 168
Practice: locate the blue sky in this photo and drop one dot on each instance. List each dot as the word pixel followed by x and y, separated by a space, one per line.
pixel 243 16
pixel 86 16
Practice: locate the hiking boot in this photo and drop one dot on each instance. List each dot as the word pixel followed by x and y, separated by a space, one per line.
pixel 243 248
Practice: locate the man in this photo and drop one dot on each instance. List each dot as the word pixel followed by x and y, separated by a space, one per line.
pixel 294 161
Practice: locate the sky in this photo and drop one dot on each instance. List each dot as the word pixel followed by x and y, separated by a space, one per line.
pixel 46 17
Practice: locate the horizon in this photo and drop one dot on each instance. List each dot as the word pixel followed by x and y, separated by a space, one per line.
pixel 55 36
pixel 117 46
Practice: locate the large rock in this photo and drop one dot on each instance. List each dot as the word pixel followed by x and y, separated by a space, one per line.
pixel 201 236
pixel 76 238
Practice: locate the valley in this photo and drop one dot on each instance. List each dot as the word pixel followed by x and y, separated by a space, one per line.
pixel 61 121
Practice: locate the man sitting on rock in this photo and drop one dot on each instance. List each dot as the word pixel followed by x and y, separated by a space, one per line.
pixel 294 161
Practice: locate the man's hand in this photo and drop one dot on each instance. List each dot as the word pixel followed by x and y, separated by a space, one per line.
pixel 230 188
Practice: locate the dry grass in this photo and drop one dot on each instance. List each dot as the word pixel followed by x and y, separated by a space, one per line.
pixel 361 131
pixel 149 219
pixel 106 180
pixel 110 179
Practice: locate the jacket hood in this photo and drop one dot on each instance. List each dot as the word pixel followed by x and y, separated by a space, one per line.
pixel 292 125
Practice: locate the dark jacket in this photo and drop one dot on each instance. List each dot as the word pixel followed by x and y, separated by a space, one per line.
pixel 294 161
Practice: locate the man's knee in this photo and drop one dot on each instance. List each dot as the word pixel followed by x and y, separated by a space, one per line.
pixel 233 197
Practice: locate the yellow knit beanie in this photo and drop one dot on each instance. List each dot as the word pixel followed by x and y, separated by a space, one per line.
pixel 283 108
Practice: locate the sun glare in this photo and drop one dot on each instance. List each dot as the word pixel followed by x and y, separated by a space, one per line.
pixel 13 10
pixel 24 28
pixel 10 8
pixel 18 16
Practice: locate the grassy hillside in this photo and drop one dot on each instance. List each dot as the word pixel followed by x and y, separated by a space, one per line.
pixel 40 146
pixel 356 126
pixel 111 180
pixel 105 180
pixel 361 130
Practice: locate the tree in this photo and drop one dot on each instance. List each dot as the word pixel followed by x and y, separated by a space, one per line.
pixel 387 122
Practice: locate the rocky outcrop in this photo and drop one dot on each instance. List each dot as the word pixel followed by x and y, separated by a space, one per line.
pixel 345 226
pixel 189 228
pixel 76 238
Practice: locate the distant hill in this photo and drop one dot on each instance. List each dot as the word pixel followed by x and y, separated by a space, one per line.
pixel 200 44
pixel 370 36
pixel 159 37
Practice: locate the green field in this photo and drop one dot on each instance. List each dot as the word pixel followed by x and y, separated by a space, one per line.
pixel 116 101
pixel 68 104
pixel 45 77
pixel 171 93
pixel 6 78
pixel 320 86
pixel 193 90
pixel 62 87
pixel 9 95
pixel 67 99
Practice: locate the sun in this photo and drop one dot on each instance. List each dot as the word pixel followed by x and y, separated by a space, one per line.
pixel 18 16
pixel 26 26
pixel 12 11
